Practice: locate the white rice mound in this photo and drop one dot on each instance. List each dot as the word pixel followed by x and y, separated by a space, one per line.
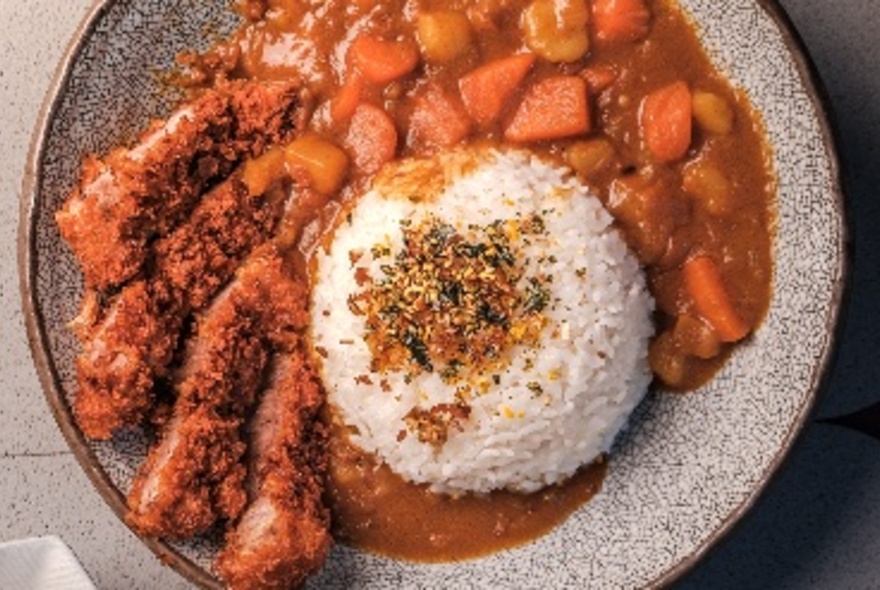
pixel 590 366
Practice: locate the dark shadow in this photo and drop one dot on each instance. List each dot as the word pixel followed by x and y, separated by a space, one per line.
pixel 797 536
pixel 841 49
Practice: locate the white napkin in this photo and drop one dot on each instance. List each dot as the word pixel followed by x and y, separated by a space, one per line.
pixel 41 563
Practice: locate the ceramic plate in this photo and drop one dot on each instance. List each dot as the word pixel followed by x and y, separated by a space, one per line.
pixel 688 467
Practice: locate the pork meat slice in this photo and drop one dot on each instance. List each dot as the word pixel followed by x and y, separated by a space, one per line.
pixel 135 339
pixel 283 535
pixel 195 475
pixel 136 194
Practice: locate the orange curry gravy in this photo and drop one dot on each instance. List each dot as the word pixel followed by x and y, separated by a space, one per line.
pixel 376 510
pixel 714 202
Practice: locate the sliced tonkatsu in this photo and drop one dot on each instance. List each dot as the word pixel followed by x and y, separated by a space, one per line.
pixel 283 535
pixel 133 195
pixel 131 343
pixel 195 476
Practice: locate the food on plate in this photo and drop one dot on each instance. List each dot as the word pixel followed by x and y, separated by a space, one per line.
pixel 283 536
pixel 398 271
pixel 129 343
pixel 502 324
pixel 639 114
pixel 132 195
pixel 195 474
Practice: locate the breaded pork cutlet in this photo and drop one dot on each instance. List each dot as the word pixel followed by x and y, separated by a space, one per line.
pixel 134 195
pixel 133 341
pixel 195 475
pixel 283 535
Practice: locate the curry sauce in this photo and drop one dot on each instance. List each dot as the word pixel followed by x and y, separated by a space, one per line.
pixel 376 510
pixel 716 201
pixel 711 203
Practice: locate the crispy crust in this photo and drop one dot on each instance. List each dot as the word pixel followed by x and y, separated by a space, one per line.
pixel 133 195
pixel 156 243
pixel 283 536
pixel 134 343
pixel 195 475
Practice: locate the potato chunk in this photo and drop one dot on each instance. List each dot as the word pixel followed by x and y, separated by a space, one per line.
pixel 650 208
pixel 705 181
pixel 557 29
pixel 713 113
pixel 324 162
pixel 666 361
pixel 590 157
pixel 443 35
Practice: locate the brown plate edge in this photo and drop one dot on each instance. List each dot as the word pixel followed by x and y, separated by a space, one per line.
pixel 61 410
pixel 33 318
pixel 835 322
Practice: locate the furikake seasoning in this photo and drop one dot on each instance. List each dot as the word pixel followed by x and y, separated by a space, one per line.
pixel 452 300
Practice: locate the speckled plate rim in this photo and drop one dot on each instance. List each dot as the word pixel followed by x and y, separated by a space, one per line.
pixel 53 391
pixel 34 322
pixel 835 322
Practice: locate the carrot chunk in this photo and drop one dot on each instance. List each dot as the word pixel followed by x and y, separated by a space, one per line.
pixel 347 98
pixel 704 284
pixel 620 20
pixel 666 121
pixel 553 108
pixel 371 138
pixel 438 120
pixel 382 61
pixel 485 90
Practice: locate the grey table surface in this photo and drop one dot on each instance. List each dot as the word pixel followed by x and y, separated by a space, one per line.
pixel 818 526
